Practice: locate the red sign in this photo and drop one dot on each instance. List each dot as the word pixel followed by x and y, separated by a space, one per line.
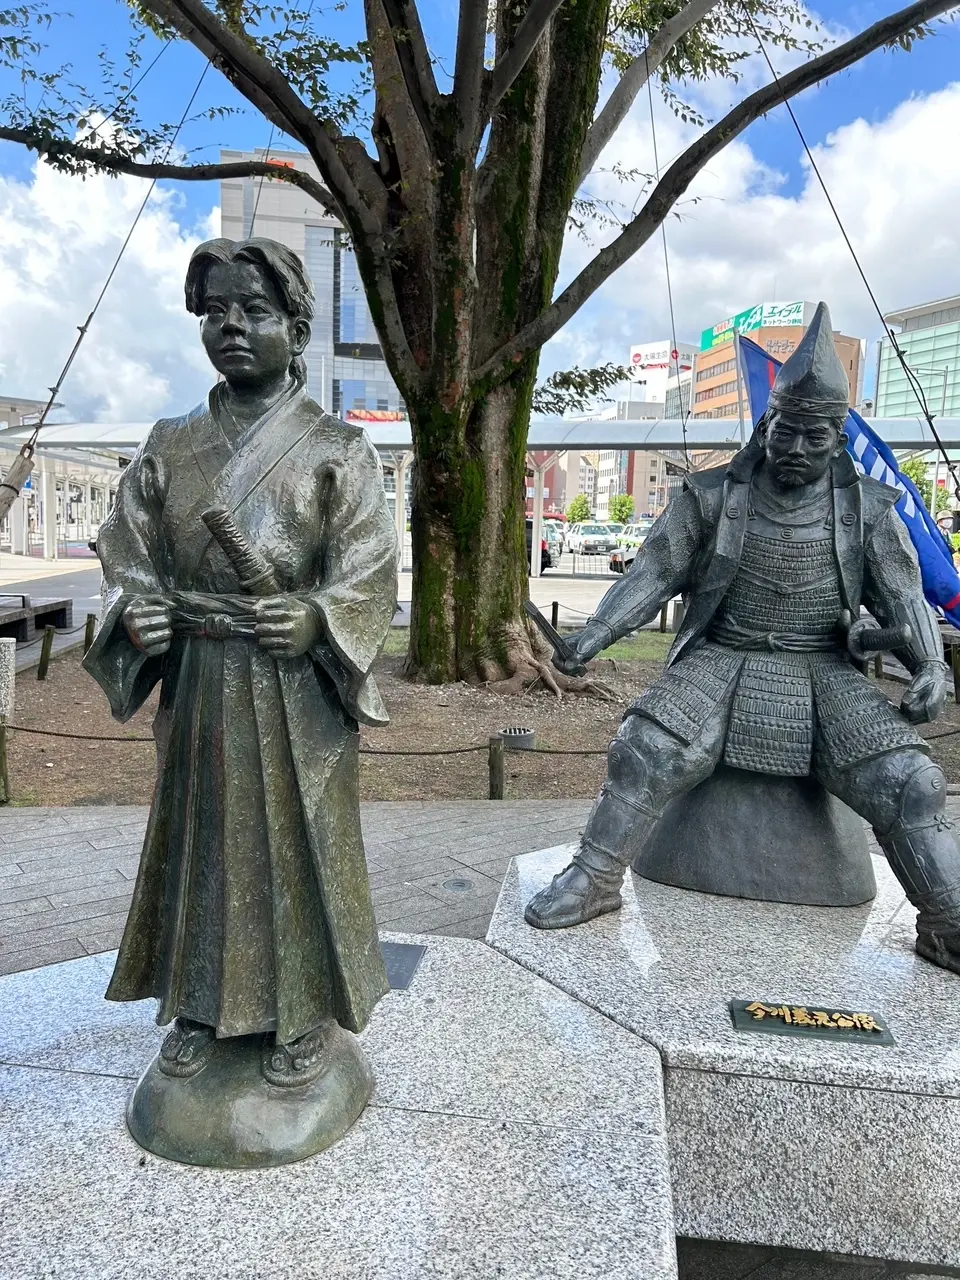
pixel 374 415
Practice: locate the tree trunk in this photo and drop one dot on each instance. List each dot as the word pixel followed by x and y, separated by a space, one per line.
pixel 490 250
pixel 469 548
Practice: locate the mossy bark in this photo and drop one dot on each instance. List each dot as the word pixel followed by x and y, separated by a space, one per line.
pixel 486 266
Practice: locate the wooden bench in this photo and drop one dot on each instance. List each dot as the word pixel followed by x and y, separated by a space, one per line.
pixel 23 616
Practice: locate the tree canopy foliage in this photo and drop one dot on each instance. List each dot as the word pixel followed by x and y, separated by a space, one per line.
pixel 457 185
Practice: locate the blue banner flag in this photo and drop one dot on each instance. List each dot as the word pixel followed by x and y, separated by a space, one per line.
pixel 872 457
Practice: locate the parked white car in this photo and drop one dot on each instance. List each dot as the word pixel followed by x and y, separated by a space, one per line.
pixel 629 543
pixel 591 539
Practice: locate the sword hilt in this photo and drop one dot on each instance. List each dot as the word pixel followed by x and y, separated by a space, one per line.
pixel 863 638
pixel 253 569
pixel 561 649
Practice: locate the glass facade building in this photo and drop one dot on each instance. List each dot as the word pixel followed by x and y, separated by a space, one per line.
pixel 346 372
pixel 929 337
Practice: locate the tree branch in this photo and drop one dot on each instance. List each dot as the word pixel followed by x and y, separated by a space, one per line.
pixel 635 77
pixel 468 71
pixel 268 89
pixel 515 58
pixel 682 172
pixel 414 59
pixel 264 86
pixel 51 149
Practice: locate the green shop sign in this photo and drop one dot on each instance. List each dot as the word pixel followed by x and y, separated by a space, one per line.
pixel 765 315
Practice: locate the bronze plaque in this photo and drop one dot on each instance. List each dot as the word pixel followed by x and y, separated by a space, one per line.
pixel 810 1021
pixel 401 960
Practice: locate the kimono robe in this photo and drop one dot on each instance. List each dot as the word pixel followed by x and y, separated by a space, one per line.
pixel 252 910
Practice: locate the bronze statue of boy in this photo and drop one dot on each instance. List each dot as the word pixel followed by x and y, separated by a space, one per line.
pixel 774 556
pixel 250 568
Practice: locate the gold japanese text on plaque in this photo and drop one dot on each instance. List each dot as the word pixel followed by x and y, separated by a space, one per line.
pixel 807 1020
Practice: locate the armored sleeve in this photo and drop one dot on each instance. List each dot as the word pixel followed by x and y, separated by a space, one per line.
pixel 661 571
pixel 893 592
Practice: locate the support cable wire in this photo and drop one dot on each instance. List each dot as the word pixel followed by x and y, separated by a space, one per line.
pixel 132 90
pixel 675 350
pixel 28 449
pixel 910 375
pixel 266 160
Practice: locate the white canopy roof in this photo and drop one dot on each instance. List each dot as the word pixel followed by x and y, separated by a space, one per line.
pixel 554 434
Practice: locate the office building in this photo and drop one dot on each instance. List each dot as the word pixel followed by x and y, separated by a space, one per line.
pixel 679 395
pixel 928 334
pixel 346 373
pixel 777 327
pixel 660 387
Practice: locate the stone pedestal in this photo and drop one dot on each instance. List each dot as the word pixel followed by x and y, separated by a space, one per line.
pixel 514 1133
pixel 798 1143
pixel 774 839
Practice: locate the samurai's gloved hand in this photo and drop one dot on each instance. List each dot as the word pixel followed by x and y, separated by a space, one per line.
pixel 925 695
pixel 148 624
pixel 584 645
pixel 287 627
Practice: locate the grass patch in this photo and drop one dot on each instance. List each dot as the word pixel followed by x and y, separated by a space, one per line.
pixel 396 642
pixel 645 646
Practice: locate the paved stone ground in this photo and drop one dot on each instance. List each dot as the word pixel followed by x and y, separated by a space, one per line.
pixel 66 875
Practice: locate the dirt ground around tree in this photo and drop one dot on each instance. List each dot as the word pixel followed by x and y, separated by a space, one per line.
pixel 61 771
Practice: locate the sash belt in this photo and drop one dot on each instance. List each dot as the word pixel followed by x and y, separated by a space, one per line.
pixel 216 626
pixel 732 636
pixel 211 616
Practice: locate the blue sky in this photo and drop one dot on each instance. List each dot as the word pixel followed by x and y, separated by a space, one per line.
pixel 719 262
pixel 870 90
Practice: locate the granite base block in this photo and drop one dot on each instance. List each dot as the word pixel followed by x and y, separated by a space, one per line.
pixel 798 1143
pixel 514 1134
pixel 815 1167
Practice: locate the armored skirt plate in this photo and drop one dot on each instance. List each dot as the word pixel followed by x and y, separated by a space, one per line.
pixel 228 1116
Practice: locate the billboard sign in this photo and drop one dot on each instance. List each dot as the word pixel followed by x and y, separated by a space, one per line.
pixel 765 315
pixel 661 355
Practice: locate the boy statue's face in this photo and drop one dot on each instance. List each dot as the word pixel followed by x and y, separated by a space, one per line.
pixel 245 330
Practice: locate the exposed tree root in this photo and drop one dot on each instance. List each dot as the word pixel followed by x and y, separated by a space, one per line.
pixel 523 665
pixel 528 664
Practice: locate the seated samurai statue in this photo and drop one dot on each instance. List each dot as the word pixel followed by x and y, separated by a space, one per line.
pixel 250 568
pixel 774 555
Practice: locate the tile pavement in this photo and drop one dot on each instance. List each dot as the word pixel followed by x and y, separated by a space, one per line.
pixel 66 875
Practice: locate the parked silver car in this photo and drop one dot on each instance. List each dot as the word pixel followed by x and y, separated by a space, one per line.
pixel 591 539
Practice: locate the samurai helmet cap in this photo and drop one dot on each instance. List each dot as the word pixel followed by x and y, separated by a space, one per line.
pixel 813 380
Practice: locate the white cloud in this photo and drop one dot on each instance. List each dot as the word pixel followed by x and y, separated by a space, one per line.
pixel 142 356
pixel 895 182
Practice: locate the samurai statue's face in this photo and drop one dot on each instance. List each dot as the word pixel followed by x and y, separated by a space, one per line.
pixel 800 447
pixel 248 335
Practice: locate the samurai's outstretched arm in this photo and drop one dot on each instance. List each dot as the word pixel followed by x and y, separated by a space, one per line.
pixel 661 571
